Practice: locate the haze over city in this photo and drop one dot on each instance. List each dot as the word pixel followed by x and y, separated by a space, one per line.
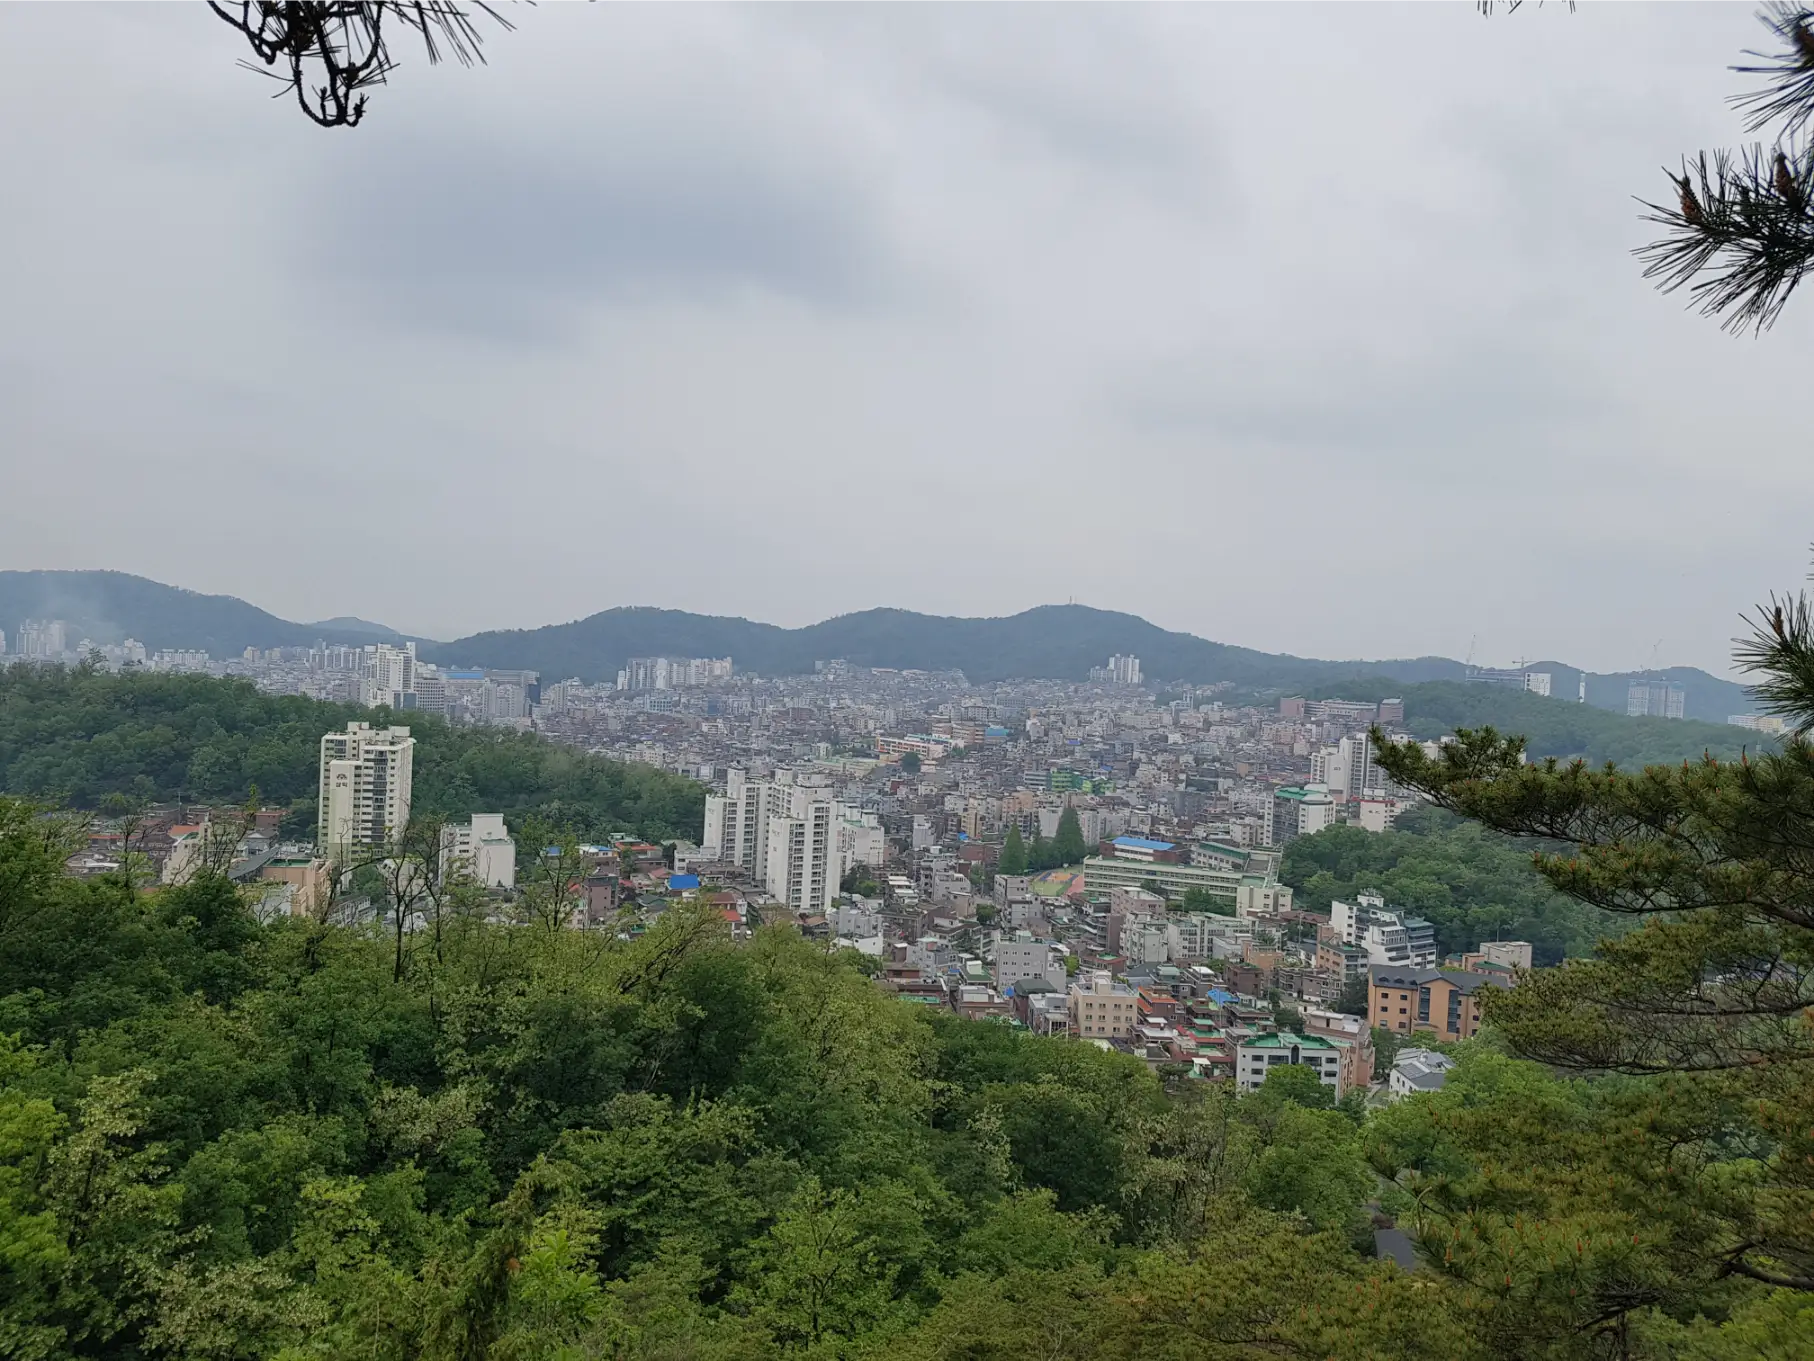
pixel 1260 323
pixel 880 683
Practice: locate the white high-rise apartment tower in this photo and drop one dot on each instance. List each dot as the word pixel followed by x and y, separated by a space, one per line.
pixel 366 774
pixel 387 675
pixel 802 863
pixel 795 840
pixel 736 823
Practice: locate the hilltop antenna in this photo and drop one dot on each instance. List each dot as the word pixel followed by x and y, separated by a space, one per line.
pixel 1469 661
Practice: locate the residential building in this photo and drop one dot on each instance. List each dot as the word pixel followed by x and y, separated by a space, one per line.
pixel 1260 895
pixel 672 673
pixel 1387 937
pixel 1260 1054
pixel 1128 904
pixel 861 840
pixel 1442 1002
pixel 1418 1070
pixel 800 863
pixel 42 638
pixel 1119 671
pixel 366 775
pixel 1772 724
pixel 1506 954
pixel 1377 814
pixel 1353 1039
pixel 1655 697
pixel 483 847
pixel 1299 810
pixel 1514 678
pixel 1341 958
pixel 307 878
pixel 388 676
pixel 1101 1008
pixel 1348 713
pixel 1027 956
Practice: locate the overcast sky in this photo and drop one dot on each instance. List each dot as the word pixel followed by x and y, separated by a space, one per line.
pixel 1313 329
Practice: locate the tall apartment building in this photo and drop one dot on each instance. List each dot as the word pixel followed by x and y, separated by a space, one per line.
pixel 43 638
pixel 387 674
pixel 672 673
pixel 1347 767
pixel 366 774
pixel 1120 671
pixel 736 824
pixel 1654 697
pixel 794 839
pixel 1299 811
pixel 801 866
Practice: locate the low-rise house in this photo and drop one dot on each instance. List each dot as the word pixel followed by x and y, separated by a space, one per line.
pixel 1418 1070
pixel 1352 1036
pixel 1258 1055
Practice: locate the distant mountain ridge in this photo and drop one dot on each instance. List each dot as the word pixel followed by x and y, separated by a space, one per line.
pixel 1057 642
pixel 110 607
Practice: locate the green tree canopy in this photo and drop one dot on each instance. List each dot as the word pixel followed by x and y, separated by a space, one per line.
pixel 1068 844
pixel 78 735
pixel 1013 852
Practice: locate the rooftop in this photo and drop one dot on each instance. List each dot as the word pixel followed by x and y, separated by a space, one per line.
pixel 1286 1039
pixel 1398 976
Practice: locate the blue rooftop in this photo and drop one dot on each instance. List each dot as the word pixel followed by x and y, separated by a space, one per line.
pixel 682 882
pixel 1142 844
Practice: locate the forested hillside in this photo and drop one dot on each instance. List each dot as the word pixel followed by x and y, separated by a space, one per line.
pixel 79 736
pixel 1471 884
pixel 1554 727
pixel 220 1140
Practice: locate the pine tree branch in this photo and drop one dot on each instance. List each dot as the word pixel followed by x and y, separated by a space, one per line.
pixel 1781 650
pixel 329 53
pixel 1738 233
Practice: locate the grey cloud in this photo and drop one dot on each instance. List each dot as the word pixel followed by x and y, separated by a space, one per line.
pixel 1113 303
pixel 500 238
pixel 1409 416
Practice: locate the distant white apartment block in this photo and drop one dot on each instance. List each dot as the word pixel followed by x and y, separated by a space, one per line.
pixel 1655 697
pixel 483 848
pixel 801 865
pixel 1120 671
pixel 672 673
pixel 1387 937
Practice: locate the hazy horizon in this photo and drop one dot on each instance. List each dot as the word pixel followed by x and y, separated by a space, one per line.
pixel 1305 330
pixel 75 606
